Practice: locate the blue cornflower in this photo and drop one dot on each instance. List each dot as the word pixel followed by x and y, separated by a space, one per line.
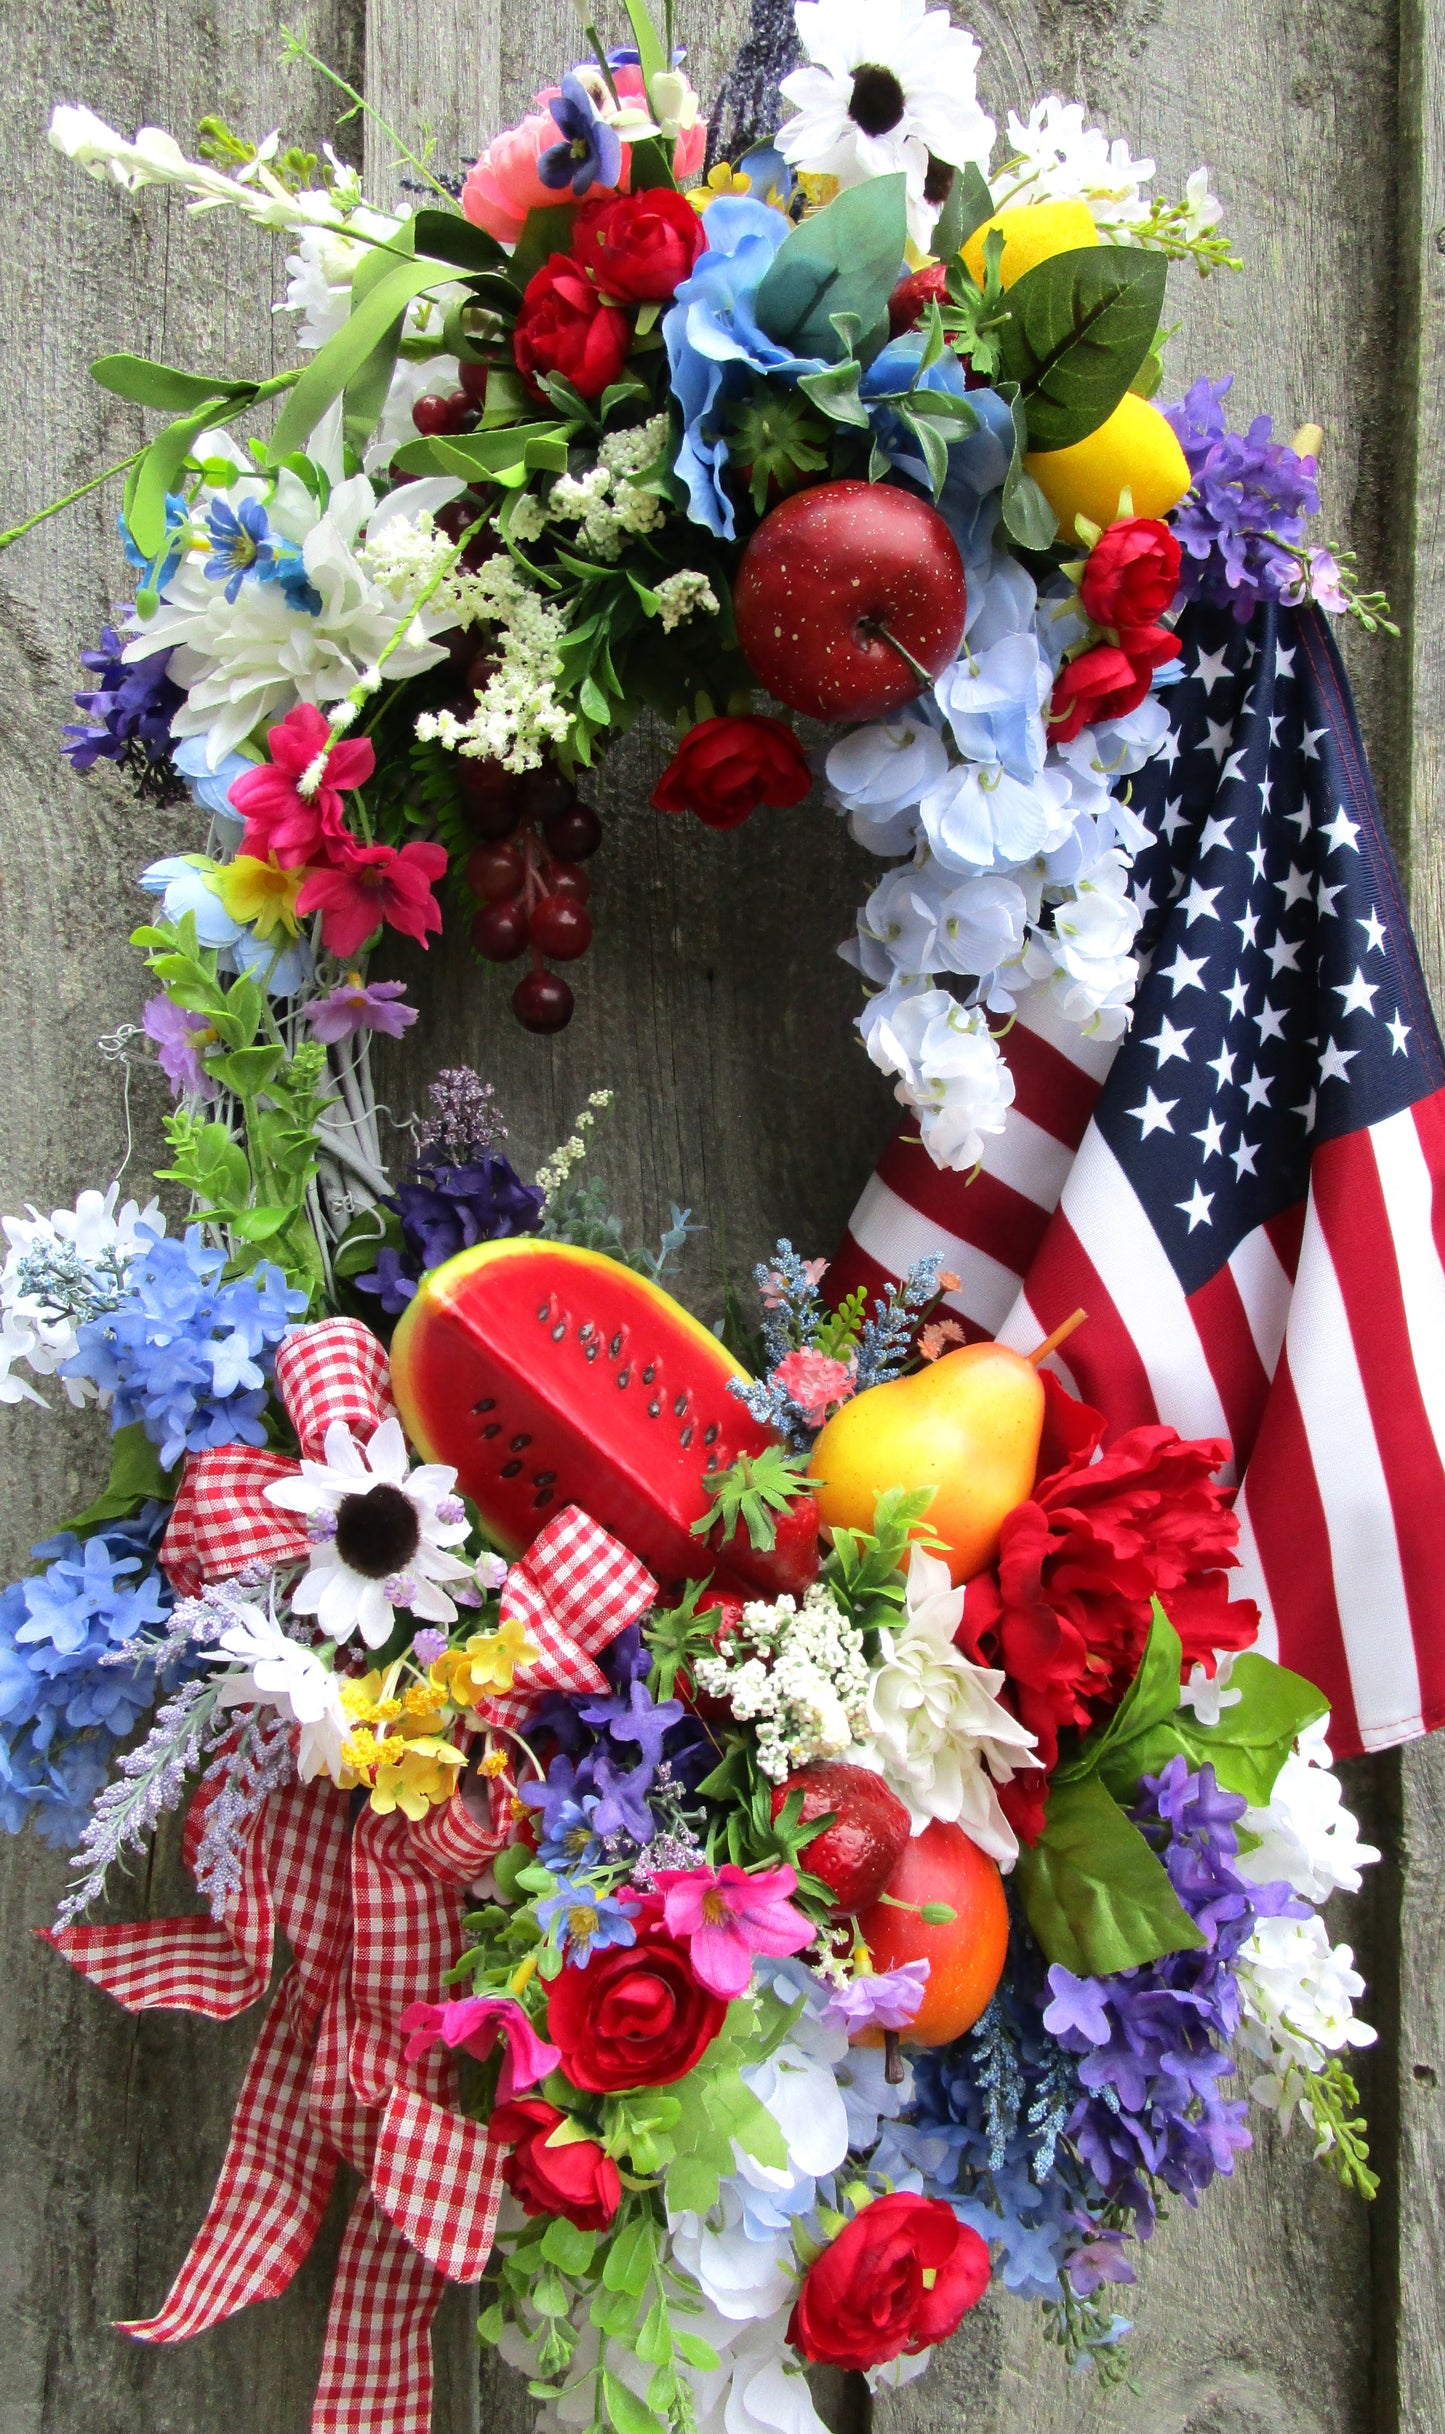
pixel 570 1840
pixel 185 1354
pixel 589 1921
pixel 242 543
pixel 590 152
pixel 636 1718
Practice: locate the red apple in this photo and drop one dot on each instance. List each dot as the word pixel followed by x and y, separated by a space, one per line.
pixel 965 1954
pixel 855 1855
pixel 827 577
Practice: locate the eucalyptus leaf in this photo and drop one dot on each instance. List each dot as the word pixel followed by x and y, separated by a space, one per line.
pixel 844 259
pixel 1096 1896
pixel 135 1477
pixel 143 383
pixel 1079 327
pixel 835 392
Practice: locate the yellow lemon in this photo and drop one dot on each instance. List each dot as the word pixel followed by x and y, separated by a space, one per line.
pixel 1135 450
pixel 1031 234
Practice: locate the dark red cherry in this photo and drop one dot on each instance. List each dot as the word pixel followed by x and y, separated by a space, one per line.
pixel 499 931
pixel 561 927
pixel 494 871
pixel 567 879
pixel 473 377
pixel 548 792
pixel 573 834
pixel 542 1001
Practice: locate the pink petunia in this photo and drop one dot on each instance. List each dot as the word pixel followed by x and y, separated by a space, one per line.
pixel 724 1916
pixel 815 1383
pixel 475 2024
pixel 283 822
pixel 375 884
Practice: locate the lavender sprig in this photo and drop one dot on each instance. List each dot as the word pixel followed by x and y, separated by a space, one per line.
pixel 263 1760
pixel 886 1339
pixel 150 1781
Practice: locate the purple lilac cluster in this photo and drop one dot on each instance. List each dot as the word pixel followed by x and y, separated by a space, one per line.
pixel 129 710
pixel 460 1190
pixel 1250 493
pixel 620 1767
pixel 1152 2044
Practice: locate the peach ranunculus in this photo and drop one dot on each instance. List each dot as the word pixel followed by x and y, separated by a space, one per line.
pixel 502 185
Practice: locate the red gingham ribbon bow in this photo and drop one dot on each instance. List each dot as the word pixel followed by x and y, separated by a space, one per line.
pixel 332 1370
pixel 372 1911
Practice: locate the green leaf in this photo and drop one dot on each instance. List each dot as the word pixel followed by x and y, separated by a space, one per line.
pixel 696 2351
pixel 844 259
pixel 692 2185
pixel 651 164
pixel 1097 1898
pixel 135 1476
pixel 261 1224
pixel 157 475
pixel 651 57
pixel 975 205
pixel 507 455
pixel 568 2247
pixel 143 383
pixel 247 1070
pixel 1246 1748
pixel 444 236
pixel 545 231
pixel 835 392
pixel 613 2312
pixel 654 2339
pixel 1151 1699
pixel 1079 327
pixel 491 2324
pixel 629 2415
pixel 630 2257
pixel 1027 516
pixel 332 370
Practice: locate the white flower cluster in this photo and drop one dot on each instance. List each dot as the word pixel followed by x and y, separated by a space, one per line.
pixel 518 713
pixel 685 594
pixel 59 1271
pixel 1298 1990
pixel 799 1674
pixel 154 158
pixel 605 499
pixel 1055 158
pixel 1019 855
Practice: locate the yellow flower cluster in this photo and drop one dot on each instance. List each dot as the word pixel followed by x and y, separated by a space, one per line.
pixel 410 1767
pixel 487 1663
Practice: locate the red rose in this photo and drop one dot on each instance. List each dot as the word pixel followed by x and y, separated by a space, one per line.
pixel 1109 681
pixel 564 326
pixel 634 2017
pixel 639 247
pixel 724 768
pixel 902 2275
pixel 1132 573
pixel 577 2180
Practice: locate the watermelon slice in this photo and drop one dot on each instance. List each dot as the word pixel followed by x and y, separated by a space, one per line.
pixel 550 1376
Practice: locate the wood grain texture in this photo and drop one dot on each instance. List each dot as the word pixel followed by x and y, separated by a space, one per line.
pixel 712 1002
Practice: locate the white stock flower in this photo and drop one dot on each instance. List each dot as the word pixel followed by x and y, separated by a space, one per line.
pixel 1307 1835
pixel 380 1534
pixel 276 1671
pixel 59 1271
pixel 938 1728
pixel 949 1067
pixel 1057 159
pixel 889 83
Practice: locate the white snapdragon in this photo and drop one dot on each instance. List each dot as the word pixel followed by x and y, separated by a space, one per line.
pixel 60 1271
pixel 799 1674
pixel 948 1065
pixel 940 1735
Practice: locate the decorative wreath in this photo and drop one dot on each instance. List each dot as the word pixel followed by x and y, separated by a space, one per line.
pixel 778 1824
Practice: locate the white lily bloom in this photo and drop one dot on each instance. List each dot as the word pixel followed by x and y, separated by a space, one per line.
pixel 940 1733
pixel 389 1544
pixel 276 1671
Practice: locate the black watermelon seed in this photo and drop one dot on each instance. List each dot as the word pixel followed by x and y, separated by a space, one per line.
pixel 543 1496
pixel 624 1377
pixel 521 1442
pixel 649 1373
pixel 492 1429
pixel 653 1409
pixel 544 1478
pixel 616 1344
pixel 586 1332
pixel 559 1331
pixel 510 1469
pixel 709 1434
pixel 680 1405
pixel 545 1311
pixel 487 1403
pixel 592 1350
pixel 711 1463
pixel 686 1438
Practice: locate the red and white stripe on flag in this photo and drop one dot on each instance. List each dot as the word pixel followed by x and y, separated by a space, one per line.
pixel 1318 1349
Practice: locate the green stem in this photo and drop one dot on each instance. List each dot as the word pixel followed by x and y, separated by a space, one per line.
pixel 603 62
pixel 17 532
pixel 294 50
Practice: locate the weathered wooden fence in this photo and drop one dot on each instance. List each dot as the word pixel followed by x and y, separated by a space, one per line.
pixel 714 1006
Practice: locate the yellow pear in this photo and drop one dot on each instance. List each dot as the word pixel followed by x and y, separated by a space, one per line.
pixel 968 1426
pixel 1031 233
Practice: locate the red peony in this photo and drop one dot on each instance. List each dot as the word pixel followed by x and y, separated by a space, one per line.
pixel 636 2016
pixel 371 885
pixel 1109 681
pixel 577 2179
pixel 1066 1611
pixel 724 768
pixel 564 326
pixel 1132 573
pixel 283 822
pixel 902 2275
pixel 639 247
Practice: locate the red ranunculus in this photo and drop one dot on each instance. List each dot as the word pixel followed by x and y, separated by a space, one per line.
pixel 724 768
pixel 639 247
pixel 1132 573
pixel 577 2180
pixel 636 2016
pixel 902 2275
pixel 564 326
pixel 1109 681
pixel 1066 1610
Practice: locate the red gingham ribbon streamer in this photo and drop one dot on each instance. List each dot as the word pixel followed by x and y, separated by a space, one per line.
pixel 574 1590
pixel 332 1370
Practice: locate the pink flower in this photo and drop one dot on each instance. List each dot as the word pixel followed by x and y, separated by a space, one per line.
pixel 502 185
pixel 357 1005
pixel 816 1384
pixel 475 2024
pixel 375 883
pixel 280 820
pixel 724 1917
pixel 178 1036
pixel 775 1291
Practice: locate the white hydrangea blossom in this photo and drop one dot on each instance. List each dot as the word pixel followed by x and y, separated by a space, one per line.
pixel 518 713
pixel 59 1271
pixel 948 1065
pixel 799 1674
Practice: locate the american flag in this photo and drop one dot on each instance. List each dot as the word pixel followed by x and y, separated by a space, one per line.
pixel 1247 1196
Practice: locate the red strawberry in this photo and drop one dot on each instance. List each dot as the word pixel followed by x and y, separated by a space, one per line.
pixel 762 1525
pixel 855 1855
